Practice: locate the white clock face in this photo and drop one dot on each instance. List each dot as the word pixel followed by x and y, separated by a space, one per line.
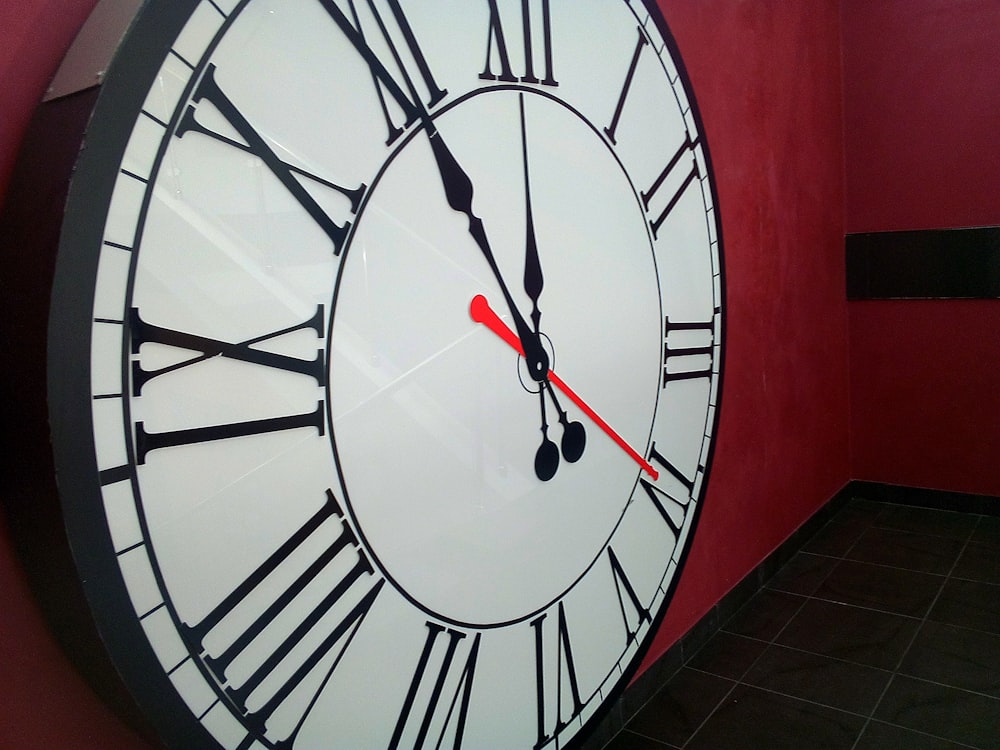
pixel 405 327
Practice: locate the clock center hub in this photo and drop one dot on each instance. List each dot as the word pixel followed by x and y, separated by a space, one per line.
pixel 524 374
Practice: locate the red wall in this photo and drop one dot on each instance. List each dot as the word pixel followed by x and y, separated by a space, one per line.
pixel 926 393
pixel 34 35
pixel 45 704
pixel 768 81
pixel 767 78
pixel 921 116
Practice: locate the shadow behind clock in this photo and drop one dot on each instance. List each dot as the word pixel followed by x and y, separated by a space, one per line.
pixel 30 227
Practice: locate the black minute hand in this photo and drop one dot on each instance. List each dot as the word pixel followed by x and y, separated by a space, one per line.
pixel 533 279
pixel 458 190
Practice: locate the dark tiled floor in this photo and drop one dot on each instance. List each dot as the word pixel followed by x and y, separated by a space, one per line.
pixel 882 632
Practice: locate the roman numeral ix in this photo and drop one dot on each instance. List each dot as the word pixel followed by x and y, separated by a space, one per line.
pixel 142 332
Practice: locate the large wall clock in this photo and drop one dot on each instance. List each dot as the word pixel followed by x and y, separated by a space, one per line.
pixel 386 349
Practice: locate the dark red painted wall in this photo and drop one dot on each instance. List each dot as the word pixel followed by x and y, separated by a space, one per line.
pixel 921 114
pixel 45 703
pixel 767 78
pixel 34 35
pixel 926 393
pixel 921 111
pixel 768 81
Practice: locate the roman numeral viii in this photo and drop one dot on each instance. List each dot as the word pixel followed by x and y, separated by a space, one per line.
pixel 141 332
pixel 295 638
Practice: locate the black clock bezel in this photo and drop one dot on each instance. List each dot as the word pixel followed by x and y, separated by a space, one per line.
pixel 132 71
pixel 124 89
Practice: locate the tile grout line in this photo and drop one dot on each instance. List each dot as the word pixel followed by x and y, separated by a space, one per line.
pixel 909 646
pixel 844 557
pixel 739 680
pixel 844 711
pixel 893 672
pixel 772 642
pixel 884 511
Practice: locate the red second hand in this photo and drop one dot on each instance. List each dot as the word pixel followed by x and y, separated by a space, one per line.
pixel 481 312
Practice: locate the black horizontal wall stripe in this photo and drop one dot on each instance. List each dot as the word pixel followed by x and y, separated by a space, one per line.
pixel 924 264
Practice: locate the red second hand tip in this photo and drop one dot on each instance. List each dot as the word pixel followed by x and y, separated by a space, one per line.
pixel 481 312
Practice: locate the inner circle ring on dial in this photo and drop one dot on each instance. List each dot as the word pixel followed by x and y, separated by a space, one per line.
pixel 549 551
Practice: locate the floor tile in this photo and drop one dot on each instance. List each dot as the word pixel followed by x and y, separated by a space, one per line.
pixel 879 736
pixel 839 634
pixel 944 523
pixel 802 574
pixel 728 655
pixel 903 592
pixel 820 679
pixel 859 509
pixel 969 604
pixel 958 657
pixel 765 615
pixel 946 712
pixel 631 741
pixel 835 538
pixel 751 719
pixel 674 713
pixel 979 562
pixel 862 636
pixel 987 531
pixel 905 549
